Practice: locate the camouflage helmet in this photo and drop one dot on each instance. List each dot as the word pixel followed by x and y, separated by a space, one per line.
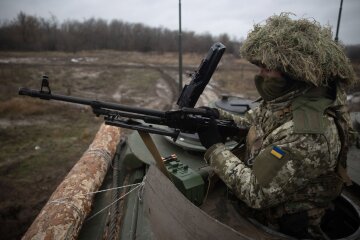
pixel 302 49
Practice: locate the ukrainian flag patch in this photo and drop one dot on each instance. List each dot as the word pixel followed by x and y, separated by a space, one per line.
pixel 277 152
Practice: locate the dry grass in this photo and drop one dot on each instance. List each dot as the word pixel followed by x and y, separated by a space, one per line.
pixel 300 47
pixel 17 106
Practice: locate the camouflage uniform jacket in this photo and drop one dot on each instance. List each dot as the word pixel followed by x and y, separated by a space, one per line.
pixel 299 176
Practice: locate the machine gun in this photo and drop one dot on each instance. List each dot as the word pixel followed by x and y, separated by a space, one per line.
pixel 186 119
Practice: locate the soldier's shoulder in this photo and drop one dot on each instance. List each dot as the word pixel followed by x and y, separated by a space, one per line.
pixel 289 133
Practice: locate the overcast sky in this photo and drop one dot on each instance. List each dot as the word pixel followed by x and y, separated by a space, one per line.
pixel 234 17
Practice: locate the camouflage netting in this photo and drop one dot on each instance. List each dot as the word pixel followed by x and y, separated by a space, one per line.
pixel 301 48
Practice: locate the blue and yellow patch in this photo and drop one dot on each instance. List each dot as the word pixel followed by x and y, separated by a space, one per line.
pixel 277 152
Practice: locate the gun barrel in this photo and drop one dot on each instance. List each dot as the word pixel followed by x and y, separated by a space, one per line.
pixel 89 102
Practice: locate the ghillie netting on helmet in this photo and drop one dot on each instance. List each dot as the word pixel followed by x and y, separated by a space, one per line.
pixel 302 49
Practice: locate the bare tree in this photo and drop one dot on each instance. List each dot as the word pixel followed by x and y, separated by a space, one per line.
pixel 27 32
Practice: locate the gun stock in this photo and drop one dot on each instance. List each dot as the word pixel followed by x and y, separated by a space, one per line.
pixel 191 92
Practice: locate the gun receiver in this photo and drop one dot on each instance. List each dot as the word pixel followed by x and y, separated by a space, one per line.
pixel 187 119
pixel 191 93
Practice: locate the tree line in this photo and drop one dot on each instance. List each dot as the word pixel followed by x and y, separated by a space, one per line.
pixel 32 33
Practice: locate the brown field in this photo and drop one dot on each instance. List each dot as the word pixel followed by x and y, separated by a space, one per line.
pixel 40 141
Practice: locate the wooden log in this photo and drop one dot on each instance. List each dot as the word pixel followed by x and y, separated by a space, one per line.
pixel 62 217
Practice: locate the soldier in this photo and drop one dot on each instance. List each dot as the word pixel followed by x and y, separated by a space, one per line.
pixel 294 161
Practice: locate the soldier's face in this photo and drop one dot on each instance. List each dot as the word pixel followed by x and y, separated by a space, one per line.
pixel 266 73
pixel 270 84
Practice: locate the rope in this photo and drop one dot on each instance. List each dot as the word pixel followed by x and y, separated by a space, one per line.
pixel 120 198
pixel 99 152
pixel 141 190
pixel 114 211
pixel 139 186
pixel 60 200
pixel 117 155
pixel 80 213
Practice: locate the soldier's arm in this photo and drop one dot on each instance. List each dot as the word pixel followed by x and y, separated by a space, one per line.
pixel 273 178
pixel 245 120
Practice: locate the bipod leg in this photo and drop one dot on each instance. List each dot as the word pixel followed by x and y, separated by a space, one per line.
pixel 149 142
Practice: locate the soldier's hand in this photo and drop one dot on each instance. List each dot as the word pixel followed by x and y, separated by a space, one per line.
pixel 210 134
pixel 211 112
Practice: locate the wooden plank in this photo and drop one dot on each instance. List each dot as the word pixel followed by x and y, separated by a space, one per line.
pixel 68 206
